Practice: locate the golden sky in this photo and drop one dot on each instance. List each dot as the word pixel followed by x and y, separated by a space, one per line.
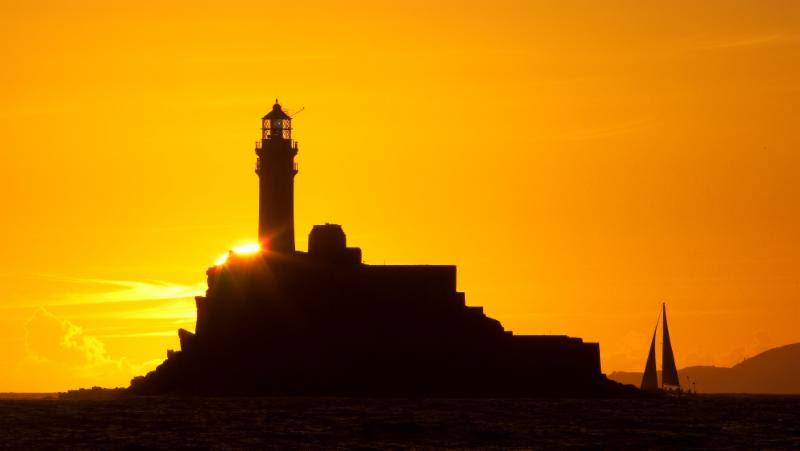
pixel 580 161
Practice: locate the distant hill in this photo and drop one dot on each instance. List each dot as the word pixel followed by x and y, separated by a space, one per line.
pixel 776 371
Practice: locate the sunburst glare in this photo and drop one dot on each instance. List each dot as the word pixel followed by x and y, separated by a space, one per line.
pixel 243 249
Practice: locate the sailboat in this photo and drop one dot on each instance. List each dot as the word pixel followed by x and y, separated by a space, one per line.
pixel 669 372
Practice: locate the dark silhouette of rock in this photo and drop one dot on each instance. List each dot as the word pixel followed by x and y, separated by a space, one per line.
pixel 95 393
pixel 776 371
pixel 287 322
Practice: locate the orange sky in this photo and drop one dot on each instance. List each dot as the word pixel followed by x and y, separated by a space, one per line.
pixel 580 161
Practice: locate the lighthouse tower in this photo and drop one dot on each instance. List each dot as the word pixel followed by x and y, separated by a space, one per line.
pixel 276 169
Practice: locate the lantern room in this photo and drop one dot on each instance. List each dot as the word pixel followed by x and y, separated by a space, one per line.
pixel 276 124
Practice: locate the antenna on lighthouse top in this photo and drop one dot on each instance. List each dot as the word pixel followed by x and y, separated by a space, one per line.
pixel 297 112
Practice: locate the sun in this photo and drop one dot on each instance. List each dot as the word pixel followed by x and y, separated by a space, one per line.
pixel 242 249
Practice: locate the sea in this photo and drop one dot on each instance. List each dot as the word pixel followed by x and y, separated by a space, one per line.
pixel 685 422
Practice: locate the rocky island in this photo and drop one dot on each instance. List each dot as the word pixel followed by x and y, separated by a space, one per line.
pixel 283 321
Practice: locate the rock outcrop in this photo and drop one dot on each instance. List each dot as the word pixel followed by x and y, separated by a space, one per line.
pixel 324 323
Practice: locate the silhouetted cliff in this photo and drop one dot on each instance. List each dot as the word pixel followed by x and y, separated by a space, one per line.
pixel 324 323
pixel 282 321
pixel 776 371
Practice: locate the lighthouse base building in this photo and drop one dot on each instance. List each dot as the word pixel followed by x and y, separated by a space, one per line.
pixel 281 321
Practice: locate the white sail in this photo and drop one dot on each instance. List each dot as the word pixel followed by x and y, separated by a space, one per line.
pixel 650 376
pixel 669 372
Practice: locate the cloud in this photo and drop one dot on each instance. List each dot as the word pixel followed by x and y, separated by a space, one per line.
pixel 59 355
pixel 753 41
pixel 113 291
pixel 53 352
pixel 131 290
pixel 50 339
pixel 605 131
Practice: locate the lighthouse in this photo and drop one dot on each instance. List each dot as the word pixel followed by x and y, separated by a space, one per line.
pixel 369 329
pixel 276 169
